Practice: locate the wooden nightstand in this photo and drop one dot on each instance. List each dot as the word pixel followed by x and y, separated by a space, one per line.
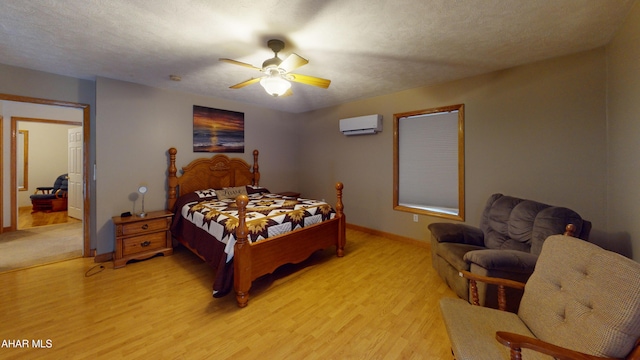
pixel 139 238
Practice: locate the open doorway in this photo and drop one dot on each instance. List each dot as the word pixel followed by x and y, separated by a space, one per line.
pixel 48 155
pixel 9 179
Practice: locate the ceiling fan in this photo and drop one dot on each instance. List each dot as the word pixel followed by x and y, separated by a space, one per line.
pixel 278 72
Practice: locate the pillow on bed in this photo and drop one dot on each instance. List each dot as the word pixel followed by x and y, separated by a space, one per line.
pixel 231 193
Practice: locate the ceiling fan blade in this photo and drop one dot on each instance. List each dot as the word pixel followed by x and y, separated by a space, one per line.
pixel 236 62
pixel 292 62
pixel 310 80
pixel 245 83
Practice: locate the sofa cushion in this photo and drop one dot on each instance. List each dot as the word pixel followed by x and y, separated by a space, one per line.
pixel 472 330
pixel 522 221
pixel 552 221
pixel 495 217
pixel 460 233
pixel 453 253
pixel 43 196
pixel 591 299
pixel 501 210
pixel 512 261
pixel 516 224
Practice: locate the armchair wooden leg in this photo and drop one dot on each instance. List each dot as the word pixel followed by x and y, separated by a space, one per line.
pixel 502 298
pixel 516 353
pixel 475 300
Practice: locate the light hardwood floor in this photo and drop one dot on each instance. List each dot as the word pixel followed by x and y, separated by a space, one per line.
pixel 378 302
pixel 27 219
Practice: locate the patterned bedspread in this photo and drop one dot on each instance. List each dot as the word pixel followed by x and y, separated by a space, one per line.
pixel 209 224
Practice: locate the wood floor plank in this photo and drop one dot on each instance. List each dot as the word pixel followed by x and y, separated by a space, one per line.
pixel 378 302
pixel 27 219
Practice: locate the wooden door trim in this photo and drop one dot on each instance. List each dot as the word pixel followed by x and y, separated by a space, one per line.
pixel 14 164
pixel 86 119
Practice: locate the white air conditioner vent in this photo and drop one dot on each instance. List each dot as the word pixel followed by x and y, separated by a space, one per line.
pixel 368 124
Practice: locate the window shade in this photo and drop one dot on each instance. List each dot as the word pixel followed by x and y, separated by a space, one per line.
pixel 428 160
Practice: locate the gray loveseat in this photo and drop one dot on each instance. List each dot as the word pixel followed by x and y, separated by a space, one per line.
pixel 506 245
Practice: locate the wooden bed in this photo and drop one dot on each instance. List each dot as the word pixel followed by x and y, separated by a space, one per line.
pixel 252 260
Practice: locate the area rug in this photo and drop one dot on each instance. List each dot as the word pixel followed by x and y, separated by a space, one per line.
pixel 40 245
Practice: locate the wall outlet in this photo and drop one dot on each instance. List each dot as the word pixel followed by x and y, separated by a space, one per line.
pixel 415 217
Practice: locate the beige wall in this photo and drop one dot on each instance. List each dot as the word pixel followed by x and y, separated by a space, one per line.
pixel 623 119
pixel 136 125
pixel 536 131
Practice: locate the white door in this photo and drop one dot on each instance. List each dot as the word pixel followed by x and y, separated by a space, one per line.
pixel 75 200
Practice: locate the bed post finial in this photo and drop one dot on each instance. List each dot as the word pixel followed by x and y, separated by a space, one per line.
pixel 256 168
pixel 339 204
pixel 242 255
pixel 172 178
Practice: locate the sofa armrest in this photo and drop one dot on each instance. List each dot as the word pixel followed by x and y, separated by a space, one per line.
pixel 44 189
pixel 456 233
pixel 517 342
pixel 513 261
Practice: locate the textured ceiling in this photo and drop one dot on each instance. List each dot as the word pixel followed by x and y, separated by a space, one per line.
pixel 366 48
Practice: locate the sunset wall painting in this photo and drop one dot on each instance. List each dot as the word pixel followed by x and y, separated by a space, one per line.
pixel 216 130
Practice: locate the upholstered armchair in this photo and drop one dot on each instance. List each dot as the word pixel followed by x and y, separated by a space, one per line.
pixel 51 198
pixel 506 244
pixel 581 302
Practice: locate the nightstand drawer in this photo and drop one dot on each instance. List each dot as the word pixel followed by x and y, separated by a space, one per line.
pixel 141 243
pixel 139 227
pixel 139 238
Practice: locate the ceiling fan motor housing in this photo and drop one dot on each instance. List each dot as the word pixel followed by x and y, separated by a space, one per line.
pixel 275 45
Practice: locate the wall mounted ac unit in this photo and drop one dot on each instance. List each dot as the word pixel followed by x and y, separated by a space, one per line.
pixel 368 124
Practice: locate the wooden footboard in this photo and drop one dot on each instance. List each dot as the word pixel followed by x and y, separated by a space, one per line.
pixel 252 260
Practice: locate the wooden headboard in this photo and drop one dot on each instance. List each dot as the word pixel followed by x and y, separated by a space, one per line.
pixel 216 172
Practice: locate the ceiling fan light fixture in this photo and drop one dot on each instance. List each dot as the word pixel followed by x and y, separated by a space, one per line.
pixel 277 72
pixel 275 85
